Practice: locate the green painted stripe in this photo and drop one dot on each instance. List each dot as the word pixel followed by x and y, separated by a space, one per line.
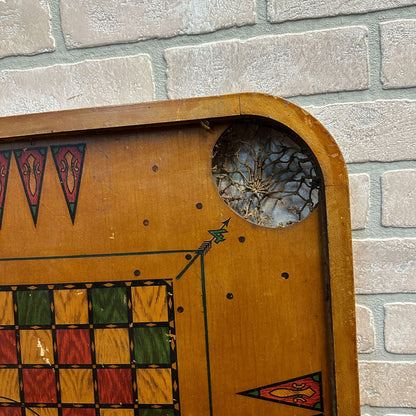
pixel 187 266
pixel 88 256
pixel 204 304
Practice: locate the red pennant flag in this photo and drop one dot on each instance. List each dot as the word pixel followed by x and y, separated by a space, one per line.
pixel 31 164
pixel 305 391
pixel 4 175
pixel 69 161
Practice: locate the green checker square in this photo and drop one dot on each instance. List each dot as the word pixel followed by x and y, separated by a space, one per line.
pixel 151 345
pixel 34 307
pixel 109 305
pixel 156 412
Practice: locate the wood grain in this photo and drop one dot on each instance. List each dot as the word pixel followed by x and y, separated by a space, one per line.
pixel 36 346
pixel 76 385
pixel 71 306
pixel 112 346
pixel 6 311
pixel 154 386
pixel 10 384
pixel 149 304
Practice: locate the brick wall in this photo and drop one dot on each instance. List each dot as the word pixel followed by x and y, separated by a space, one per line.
pixel 352 64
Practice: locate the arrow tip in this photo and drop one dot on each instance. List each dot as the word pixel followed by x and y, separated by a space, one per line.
pixel 226 222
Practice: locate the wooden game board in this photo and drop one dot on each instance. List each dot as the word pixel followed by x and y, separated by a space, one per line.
pixel 133 284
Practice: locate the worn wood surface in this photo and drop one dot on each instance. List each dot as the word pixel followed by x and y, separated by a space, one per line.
pixel 147 190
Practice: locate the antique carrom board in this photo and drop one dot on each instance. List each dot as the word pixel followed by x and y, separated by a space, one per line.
pixel 181 258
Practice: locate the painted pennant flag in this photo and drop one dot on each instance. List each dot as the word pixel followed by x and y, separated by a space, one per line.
pixel 305 391
pixel 31 164
pixel 4 175
pixel 69 161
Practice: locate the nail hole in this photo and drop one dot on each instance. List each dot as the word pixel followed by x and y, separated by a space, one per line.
pixel 188 257
pixel 241 239
pixel 155 168
pixel 230 295
pixel 285 275
pixel 199 205
pixel 137 272
pixel 146 222
pixel 180 309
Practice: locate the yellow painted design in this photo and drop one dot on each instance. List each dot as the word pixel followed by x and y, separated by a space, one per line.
pixel 284 393
pixel 31 169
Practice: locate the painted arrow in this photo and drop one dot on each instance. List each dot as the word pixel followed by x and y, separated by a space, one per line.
pixel 217 237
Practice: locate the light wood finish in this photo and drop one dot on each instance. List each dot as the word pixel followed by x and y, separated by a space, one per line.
pixel 47 412
pixel 154 385
pixel 6 310
pixel 36 346
pixel 71 306
pixel 273 329
pixel 76 385
pixel 116 412
pixel 149 304
pixel 9 387
pixel 112 346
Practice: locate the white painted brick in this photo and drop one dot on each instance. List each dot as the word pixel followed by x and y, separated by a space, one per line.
pixel 282 10
pixel 400 328
pixel 371 131
pixel 398 47
pixel 385 266
pixel 359 200
pixel 25 27
pixel 399 198
pixel 365 330
pixel 86 84
pixel 284 65
pixel 102 22
pixel 388 384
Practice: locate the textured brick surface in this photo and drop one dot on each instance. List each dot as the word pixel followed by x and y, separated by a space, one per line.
pixel 280 11
pixel 86 84
pixel 371 131
pixel 398 47
pixel 25 27
pixel 359 200
pixel 388 384
pixel 385 266
pixel 365 329
pixel 100 22
pixel 284 65
pixel 399 198
pixel 400 328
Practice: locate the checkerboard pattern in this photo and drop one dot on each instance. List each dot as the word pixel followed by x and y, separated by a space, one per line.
pixel 88 349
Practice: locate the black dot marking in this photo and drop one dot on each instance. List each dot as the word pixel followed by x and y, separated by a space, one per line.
pixel 155 168
pixel 146 222
pixel 188 257
pixel 285 275
pixel 230 295
pixel 199 205
pixel 241 239
pixel 180 309
pixel 137 272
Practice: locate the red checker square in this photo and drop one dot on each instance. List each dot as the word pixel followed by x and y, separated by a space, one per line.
pixel 39 385
pixel 78 412
pixel 74 346
pixel 10 411
pixel 115 386
pixel 8 352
